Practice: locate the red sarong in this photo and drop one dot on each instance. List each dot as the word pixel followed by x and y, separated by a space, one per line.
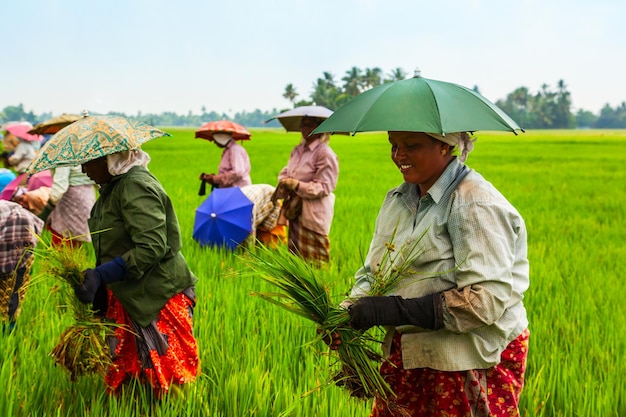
pixel 163 353
pixel 427 392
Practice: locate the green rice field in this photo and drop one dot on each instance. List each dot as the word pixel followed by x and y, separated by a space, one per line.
pixel 259 360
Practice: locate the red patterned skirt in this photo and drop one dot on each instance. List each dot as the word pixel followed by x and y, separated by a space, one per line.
pixel 161 354
pixel 427 392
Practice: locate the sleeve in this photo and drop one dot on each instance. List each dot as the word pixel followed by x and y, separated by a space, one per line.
pixel 282 174
pixel 237 166
pixel 60 183
pixel 143 209
pixel 483 238
pixel 325 179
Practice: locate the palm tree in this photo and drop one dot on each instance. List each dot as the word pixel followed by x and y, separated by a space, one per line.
pixel 352 81
pixel 397 74
pixel 565 118
pixel 325 92
pixel 290 93
pixel 372 77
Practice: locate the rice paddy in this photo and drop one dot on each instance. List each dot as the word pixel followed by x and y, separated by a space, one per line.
pixel 259 360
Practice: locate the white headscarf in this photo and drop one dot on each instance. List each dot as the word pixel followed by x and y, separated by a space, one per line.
pixel 461 140
pixel 222 138
pixel 119 163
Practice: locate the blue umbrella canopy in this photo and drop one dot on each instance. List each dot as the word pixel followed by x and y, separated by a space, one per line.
pixel 224 219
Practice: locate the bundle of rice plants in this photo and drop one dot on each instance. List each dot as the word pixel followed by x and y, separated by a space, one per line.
pixel 82 347
pixel 302 292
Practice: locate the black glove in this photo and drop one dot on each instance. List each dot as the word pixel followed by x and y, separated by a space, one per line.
pixel 112 271
pixel 46 211
pixel 425 312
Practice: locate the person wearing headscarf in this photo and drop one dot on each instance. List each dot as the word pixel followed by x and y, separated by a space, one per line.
pixel 457 329
pixel 141 278
pixel 18 237
pixel 234 167
pixel 32 200
pixel 307 184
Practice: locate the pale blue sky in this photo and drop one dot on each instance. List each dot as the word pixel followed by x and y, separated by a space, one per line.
pixel 155 56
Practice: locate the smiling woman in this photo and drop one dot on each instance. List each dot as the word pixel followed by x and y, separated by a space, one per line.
pixel 420 158
pixel 462 300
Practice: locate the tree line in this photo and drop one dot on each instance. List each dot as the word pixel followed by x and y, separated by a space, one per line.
pixel 548 108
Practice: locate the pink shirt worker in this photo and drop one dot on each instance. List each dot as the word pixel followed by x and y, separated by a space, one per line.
pixel 311 174
pixel 234 167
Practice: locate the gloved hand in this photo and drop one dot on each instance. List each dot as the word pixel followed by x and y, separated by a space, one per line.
pixel 112 271
pixel 425 312
pixel 47 209
pixel 290 184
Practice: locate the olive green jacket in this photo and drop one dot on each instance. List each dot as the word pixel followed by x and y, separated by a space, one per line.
pixel 134 219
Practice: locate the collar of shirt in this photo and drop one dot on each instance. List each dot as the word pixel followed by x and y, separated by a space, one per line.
pixel 438 189
pixel 309 146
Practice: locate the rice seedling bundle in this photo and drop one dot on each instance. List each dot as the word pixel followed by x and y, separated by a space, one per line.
pixel 82 347
pixel 304 293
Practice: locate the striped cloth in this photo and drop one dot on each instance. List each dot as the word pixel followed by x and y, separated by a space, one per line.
pixel 311 246
pixel 265 212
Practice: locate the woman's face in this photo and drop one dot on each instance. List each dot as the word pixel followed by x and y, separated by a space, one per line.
pixel 419 157
pixel 307 125
pixel 97 170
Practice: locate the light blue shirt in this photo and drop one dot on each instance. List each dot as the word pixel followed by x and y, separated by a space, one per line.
pixel 471 246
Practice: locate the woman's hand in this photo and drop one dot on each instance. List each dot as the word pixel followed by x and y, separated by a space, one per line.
pixel 333 340
pixel 207 178
pixel 290 184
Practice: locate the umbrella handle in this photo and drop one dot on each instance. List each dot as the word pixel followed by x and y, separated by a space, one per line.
pixel 202 190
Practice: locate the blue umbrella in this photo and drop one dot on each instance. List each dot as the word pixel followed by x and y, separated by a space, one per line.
pixel 224 218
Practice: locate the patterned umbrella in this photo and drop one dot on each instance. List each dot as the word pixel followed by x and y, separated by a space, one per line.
pixel 90 138
pixel 52 126
pixel 223 126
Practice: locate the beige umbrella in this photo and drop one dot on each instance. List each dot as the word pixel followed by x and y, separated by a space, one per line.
pixel 52 126
pixel 291 119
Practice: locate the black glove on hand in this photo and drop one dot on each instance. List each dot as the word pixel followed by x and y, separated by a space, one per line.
pixel 112 271
pixel 87 290
pixel 425 312
pixel 46 211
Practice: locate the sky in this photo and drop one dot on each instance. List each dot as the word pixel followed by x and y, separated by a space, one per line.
pixel 155 56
